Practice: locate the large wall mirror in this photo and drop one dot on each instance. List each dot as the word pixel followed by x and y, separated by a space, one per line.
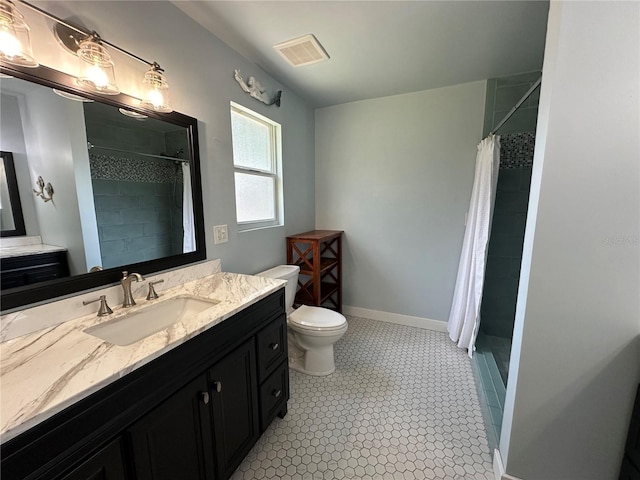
pixel 126 187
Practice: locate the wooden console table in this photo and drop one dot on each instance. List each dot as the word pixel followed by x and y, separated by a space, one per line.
pixel 318 253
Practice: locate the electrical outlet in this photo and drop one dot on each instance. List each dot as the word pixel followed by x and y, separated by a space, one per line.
pixel 220 234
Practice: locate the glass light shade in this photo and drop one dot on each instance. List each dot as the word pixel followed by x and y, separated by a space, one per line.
pixel 157 94
pixel 15 41
pixel 97 72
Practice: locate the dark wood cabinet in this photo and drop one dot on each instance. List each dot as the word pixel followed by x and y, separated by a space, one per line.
pixel 28 269
pixel 174 440
pixel 272 347
pixel 234 396
pixel 318 253
pixel 274 393
pixel 630 469
pixel 192 413
pixel 106 464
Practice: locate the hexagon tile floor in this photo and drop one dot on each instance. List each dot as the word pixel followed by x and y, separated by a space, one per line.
pixel 402 404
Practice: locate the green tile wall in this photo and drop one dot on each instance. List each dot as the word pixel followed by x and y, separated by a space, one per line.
pixel 137 221
pixel 502 95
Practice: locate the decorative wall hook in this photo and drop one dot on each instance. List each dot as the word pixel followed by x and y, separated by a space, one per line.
pixel 45 192
pixel 256 90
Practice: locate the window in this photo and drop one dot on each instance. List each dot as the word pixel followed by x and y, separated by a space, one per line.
pixel 257 169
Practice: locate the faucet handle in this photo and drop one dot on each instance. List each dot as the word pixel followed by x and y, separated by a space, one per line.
pixel 104 309
pixel 152 295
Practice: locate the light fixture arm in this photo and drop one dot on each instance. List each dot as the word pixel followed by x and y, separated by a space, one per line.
pixel 86 33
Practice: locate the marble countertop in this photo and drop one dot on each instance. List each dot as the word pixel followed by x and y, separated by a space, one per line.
pixel 46 371
pixel 23 250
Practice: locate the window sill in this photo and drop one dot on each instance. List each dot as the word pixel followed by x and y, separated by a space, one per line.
pixel 254 228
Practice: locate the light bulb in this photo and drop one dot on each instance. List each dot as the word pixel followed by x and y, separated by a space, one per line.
pixel 155 98
pixel 10 46
pixel 97 76
pixel 15 42
pixel 97 68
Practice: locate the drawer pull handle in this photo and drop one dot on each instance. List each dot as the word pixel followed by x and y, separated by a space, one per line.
pixel 205 397
pixel 218 386
pixel 276 393
pixel 274 346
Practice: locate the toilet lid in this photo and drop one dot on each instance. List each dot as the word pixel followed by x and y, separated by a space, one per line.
pixel 317 317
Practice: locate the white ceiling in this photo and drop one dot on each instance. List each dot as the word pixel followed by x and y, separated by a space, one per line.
pixel 381 48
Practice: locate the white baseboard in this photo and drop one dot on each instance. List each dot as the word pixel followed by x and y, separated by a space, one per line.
pixel 498 468
pixel 408 320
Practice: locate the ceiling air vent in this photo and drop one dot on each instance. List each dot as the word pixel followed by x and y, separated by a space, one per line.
pixel 302 51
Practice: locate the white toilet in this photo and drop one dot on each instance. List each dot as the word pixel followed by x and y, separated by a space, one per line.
pixel 312 330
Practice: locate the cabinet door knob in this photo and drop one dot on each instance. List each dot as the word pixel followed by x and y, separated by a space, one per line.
pixel 205 397
pixel 274 346
pixel 276 393
pixel 218 386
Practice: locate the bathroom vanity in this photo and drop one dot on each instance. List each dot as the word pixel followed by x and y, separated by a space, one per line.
pixel 29 264
pixel 189 410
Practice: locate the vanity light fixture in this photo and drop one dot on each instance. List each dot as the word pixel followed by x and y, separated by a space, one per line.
pixel 157 95
pixel 97 67
pixel 15 41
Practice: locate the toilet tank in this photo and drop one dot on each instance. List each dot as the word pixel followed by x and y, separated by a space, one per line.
pixel 288 273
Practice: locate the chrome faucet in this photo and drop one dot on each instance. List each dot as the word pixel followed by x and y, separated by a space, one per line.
pixel 126 287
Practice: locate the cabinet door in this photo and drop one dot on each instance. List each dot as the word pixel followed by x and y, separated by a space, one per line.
pixel 235 407
pixel 106 464
pixel 174 440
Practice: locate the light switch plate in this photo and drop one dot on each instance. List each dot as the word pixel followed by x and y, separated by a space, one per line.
pixel 220 234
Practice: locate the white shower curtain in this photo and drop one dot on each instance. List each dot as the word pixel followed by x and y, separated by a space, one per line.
pixel 188 227
pixel 464 318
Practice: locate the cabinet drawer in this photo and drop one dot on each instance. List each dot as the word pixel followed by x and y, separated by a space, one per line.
pixel 106 464
pixel 274 393
pixel 272 347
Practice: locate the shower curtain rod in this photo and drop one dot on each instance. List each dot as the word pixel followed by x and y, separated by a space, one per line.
pixel 517 105
pixel 165 157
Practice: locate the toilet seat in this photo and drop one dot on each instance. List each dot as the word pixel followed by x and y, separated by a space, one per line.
pixel 317 319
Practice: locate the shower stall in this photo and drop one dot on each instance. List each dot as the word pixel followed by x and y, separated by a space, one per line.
pixel 504 251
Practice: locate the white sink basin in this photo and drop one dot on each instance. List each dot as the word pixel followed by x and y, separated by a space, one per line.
pixel 137 325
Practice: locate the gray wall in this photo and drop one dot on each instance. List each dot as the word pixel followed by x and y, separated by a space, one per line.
pixel 54 128
pixel 199 68
pixel 395 174
pixel 575 364
pixel 12 140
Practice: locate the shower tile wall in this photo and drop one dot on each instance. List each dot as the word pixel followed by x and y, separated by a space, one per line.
pixel 507 235
pixel 138 218
pixel 502 95
pixel 138 199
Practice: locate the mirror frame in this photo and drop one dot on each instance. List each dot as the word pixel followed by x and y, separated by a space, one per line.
pixel 14 197
pixel 49 290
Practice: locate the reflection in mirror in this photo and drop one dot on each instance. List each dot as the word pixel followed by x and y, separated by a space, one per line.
pixel 11 219
pixel 138 171
pixel 123 184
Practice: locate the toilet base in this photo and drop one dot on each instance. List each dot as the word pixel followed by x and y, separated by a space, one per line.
pixel 317 362
pixel 298 367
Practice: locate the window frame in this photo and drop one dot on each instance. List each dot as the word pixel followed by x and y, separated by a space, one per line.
pixel 275 173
